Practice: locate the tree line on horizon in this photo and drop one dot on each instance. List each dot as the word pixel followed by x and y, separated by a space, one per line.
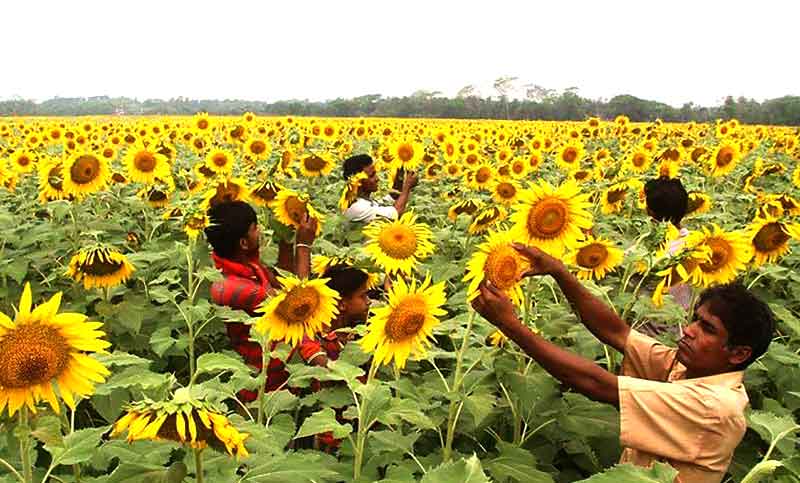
pixel 565 106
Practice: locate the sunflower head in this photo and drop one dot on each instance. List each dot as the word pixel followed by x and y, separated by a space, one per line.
pixel 497 261
pixel 594 258
pixel 291 208
pixel 99 267
pixel 728 254
pixel 397 245
pixel 486 218
pixel 41 350
pixel 468 207
pixel 302 308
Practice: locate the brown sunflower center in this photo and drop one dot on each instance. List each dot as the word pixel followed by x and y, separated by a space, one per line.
pixel 547 219
pixel 314 163
pixel 471 158
pixel 100 265
pixel 695 203
pixel 300 303
pixel 506 190
pixel 405 152
pixel 54 178
pixel 32 354
pixel 406 319
pixel 721 252
pixel 483 174
pixel 569 155
pixel 615 195
pixel 639 160
pixel 502 267
pixel 592 256
pixel 219 160
pixel 85 169
pixel 724 156
pixel 258 147
pixel 145 161
pixel 295 208
pixel 770 237
pixel 398 241
pixel 23 161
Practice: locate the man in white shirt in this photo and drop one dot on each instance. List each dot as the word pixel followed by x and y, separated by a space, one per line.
pixel 364 209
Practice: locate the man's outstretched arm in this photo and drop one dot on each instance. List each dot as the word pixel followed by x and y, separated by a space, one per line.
pixel 596 315
pixel 582 375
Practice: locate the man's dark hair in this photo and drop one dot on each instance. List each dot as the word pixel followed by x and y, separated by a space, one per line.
pixel 346 280
pixel 667 199
pixel 748 320
pixel 229 222
pixel 355 164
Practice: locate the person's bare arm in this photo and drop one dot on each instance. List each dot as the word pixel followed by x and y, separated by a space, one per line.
pixel 578 373
pixel 408 184
pixel 306 233
pixel 597 316
pixel 285 256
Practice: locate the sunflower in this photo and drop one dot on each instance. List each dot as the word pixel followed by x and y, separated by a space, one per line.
pixel 51 182
pixel 518 168
pixel 396 245
pixel 594 258
pixel 497 261
pixel 668 169
pixel 482 176
pixel 570 155
pixel 350 191
pixel 505 192
pixel 99 267
pixel 468 207
pixel 290 207
pixel 453 170
pixel 41 347
pixel 202 122
pixel 770 239
pixel 796 177
pixel 220 161
pixel 497 339
pixel 183 420
pixel 639 160
pixel 23 162
pixel 158 194
pixel 729 253
pixel 682 271
pixel 698 203
pixel 194 223
pixel 724 159
pixel 302 308
pixel 406 154
pixel 486 218
pixel 613 198
pixel 145 165
pixel 314 165
pixel 230 189
pixel 258 148
pixel 85 173
pixel 265 192
pixel 551 218
pixel 404 326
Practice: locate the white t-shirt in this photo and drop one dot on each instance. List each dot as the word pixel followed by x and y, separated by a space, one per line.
pixel 364 211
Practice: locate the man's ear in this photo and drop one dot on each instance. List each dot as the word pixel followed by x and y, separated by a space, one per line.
pixel 739 354
pixel 244 245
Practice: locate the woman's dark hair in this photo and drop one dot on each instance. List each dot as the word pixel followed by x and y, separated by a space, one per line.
pixel 355 164
pixel 667 199
pixel 748 320
pixel 346 280
pixel 229 223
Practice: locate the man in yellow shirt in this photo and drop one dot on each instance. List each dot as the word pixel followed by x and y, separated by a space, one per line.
pixel 683 406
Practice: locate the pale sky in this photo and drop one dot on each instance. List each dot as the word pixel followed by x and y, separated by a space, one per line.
pixel 673 51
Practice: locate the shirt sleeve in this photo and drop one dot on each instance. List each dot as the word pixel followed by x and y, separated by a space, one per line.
pixel 366 211
pixel 675 421
pixel 310 348
pixel 647 358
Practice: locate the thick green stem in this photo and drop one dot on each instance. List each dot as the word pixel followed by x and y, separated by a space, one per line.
pixel 198 465
pixel 262 386
pixel 361 439
pixel 453 411
pixel 24 445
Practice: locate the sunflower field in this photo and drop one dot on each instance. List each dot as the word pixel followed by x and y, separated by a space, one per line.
pixel 115 365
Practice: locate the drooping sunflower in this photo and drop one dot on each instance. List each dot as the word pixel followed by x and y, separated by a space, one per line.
pixel 51 182
pixel 594 258
pixel 613 198
pixel 497 261
pixel 728 252
pixel 724 158
pixel 290 208
pixel 145 165
pixel 85 173
pixel 220 161
pixel 41 349
pixel 301 308
pixel 195 423
pixel 551 218
pixel 194 223
pixel 397 245
pixel 99 267
pixel 468 207
pixel 265 192
pixel 570 155
pixel 404 326
pixel 486 218
pixel 230 189
pixel 770 239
